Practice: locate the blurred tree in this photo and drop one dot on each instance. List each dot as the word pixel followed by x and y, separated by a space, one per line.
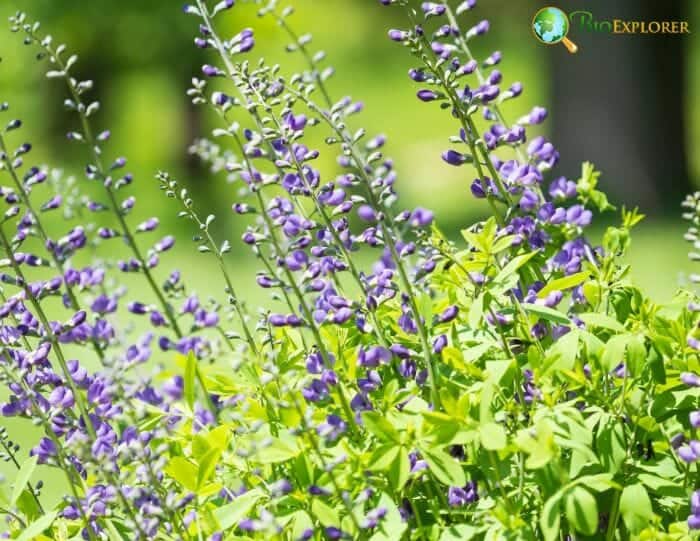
pixel 620 102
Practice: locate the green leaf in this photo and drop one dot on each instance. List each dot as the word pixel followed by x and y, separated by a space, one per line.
pixel 476 311
pixel 582 511
pixel 562 284
pixel 183 471
pixel 488 391
pixel 635 508
pixel 453 357
pixel 301 522
pixel 592 292
pixel 231 514
pixel 512 267
pixel 493 436
pixel 599 482
pixel 400 470
pixel 614 352
pixel 601 320
pixel 562 355
pixel 189 379
pixel 23 476
pixel 444 467
pixel 379 426
pixel 37 527
pixel 325 513
pixel 458 532
pixel 207 466
pixel 503 243
pixel 549 314
pixel 278 451
pixel 538 442
pixel 550 518
pixel 384 457
pixel 636 355
pixel 610 445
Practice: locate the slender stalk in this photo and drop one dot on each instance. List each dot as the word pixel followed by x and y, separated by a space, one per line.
pixel 114 204
pixel 433 374
pixel 64 464
pixel 103 175
pixel 79 400
pixel 306 310
pixel 24 196
pixel 56 347
pixel 11 455
pixel 214 248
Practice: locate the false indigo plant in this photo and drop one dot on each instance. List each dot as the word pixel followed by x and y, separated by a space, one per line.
pixel 513 385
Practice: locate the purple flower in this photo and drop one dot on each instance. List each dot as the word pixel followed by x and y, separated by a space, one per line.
pixel 691 379
pixel 455 158
pixel 529 200
pixel 428 95
pixel 439 343
pixel 45 450
pixel 373 356
pixel 461 496
pixel 695 419
pixel 448 314
pixel 367 213
pixel 62 397
pixel 421 217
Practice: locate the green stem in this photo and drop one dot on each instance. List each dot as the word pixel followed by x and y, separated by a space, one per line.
pixel 614 517
pixel 44 237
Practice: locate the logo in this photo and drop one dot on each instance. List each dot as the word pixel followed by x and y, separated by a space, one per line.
pixel 585 21
pixel 551 26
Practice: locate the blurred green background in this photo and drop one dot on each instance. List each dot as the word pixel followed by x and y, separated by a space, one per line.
pixel 140 54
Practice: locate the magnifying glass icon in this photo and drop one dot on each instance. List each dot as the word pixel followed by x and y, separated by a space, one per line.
pixel 551 26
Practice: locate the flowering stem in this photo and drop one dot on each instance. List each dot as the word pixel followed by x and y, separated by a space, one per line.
pixel 79 399
pixel 214 248
pixel 64 465
pixel 49 333
pixel 462 43
pixel 433 374
pixel 307 56
pixel 468 127
pixel 102 174
pixel 306 311
pixel 44 236
pixel 314 444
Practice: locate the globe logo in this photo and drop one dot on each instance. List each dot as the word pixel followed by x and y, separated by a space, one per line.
pixel 551 25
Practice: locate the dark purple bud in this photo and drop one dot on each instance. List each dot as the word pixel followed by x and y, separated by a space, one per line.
pixel 428 95
pixel 439 343
pixel 398 35
pixel 367 213
pixel 77 319
pixel 449 314
pixel 454 158
pixel 421 217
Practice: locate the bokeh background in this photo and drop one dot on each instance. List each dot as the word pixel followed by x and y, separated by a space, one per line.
pixel 627 103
